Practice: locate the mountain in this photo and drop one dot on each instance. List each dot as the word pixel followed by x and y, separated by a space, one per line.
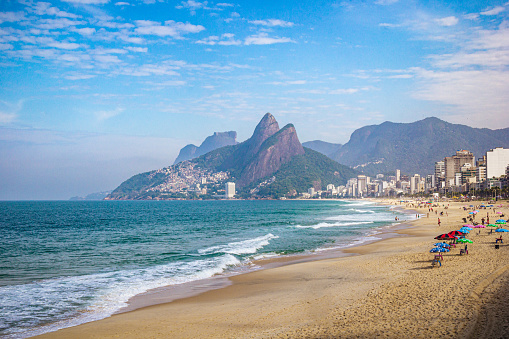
pixel 414 147
pixel 326 148
pixel 93 196
pixel 271 163
pixel 215 141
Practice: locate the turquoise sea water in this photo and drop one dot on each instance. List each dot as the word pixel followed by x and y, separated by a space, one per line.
pixel 66 263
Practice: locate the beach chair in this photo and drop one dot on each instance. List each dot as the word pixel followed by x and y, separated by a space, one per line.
pixel 436 262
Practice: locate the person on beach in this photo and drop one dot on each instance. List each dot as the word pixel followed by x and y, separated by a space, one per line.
pixel 466 249
pixel 438 222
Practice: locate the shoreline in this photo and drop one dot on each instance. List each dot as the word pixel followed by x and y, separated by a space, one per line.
pixel 321 301
pixel 170 293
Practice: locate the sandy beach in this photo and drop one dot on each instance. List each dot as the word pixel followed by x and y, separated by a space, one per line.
pixel 388 289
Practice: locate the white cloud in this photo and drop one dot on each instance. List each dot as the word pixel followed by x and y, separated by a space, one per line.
pixel 471 16
pixel 385 24
pixel 11 16
pixel 57 23
pixel 105 115
pixel 87 31
pixel 226 39
pixel 170 28
pixel 79 76
pixel 106 59
pixel 223 4
pixel 7 118
pixel 482 95
pixel 121 3
pixel 289 82
pixel 448 21
pixel 45 8
pixel 344 91
pixel 64 45
pixel 272 23
pixel 494 11
pixel 193 4
pixel 4 46
pixel 88 2
pixel 137 49
pixel 264 39
pixel 385 2
pixel 9 111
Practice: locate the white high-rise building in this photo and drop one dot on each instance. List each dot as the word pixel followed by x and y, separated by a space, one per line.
pixel 415 182
pixel 497 161
pixel 230 190
pixel 398 175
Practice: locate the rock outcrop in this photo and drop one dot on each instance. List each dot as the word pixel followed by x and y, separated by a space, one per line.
pixel 275 151
pixel 215 141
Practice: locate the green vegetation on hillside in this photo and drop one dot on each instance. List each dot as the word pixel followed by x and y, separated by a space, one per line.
pixel 303 172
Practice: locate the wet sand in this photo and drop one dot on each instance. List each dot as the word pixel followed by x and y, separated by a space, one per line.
pixel 387 289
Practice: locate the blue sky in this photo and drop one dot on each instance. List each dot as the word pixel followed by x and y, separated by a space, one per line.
pixel 94 91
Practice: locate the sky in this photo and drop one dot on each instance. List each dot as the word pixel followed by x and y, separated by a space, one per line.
pixel 95 91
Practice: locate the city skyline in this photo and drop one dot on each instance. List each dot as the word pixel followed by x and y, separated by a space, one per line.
pixel 94 91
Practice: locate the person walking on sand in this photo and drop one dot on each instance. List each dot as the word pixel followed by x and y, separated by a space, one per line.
pixel 438 222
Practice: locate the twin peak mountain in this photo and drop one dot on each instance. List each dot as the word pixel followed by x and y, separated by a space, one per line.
pixel 270 163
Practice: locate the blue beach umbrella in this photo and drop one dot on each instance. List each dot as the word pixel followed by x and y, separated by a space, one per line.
pixel 466 228
pixel 442 244
pixel 464 231
pixel 471 213
pixel 502 230
pixel 439 250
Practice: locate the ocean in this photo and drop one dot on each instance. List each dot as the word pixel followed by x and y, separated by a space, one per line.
pixel 64 263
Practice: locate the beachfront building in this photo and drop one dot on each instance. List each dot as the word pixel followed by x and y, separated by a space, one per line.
pixel 497 161
pixel 230 190
pixel 311 192
pixel 453 166
pixel 439 174
pixel 398 175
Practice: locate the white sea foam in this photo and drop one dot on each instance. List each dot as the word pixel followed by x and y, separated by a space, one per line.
pixel 241 247
pixel 358 203
pixel 111 291
pixel 337 224
pixel 378 217
pixel 360 211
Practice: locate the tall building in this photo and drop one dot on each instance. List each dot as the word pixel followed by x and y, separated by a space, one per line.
pixel 230 190
pixel 453 165
pixel 415 182
pixel 398 175
pixel 362 184
pixel 497 161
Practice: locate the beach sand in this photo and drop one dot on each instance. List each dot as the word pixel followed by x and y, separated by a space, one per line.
pixel 388 289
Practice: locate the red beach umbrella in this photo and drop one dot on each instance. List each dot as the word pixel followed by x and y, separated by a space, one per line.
pixel 445 237
pixel 453 233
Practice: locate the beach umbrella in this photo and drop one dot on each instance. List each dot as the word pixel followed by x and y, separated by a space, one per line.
pixel 499 212
pixel 465 240
pixel 502 230
pixel 471 213
pixel 500 222
pixel 438 250
pixel 464 231
pixel 471 205
pixel 453 233
pixel 467 228
pixel 445 237
pixel 442 244
pixel 468 225
pixel 480 226
pixel 492 225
